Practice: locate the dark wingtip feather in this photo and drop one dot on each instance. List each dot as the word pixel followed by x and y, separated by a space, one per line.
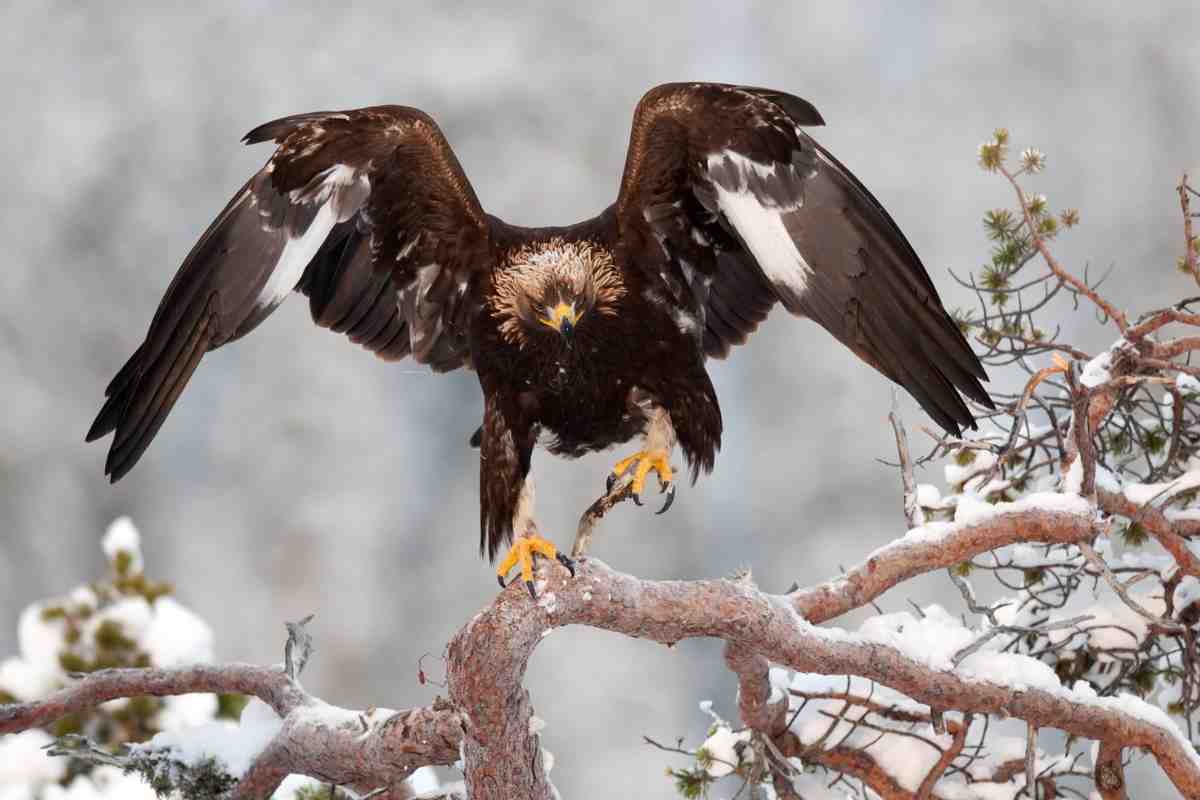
pixel 921 336
pixel 117 397
pixel 106 421
pixel 145 390
pixel 278 129
pixel 274 130
pixel 153 396
pixel 263 133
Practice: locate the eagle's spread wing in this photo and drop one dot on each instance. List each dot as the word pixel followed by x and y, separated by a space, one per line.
pixel 727 205
pixel 367 212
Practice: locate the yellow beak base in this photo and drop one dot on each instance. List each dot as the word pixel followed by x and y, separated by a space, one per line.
pixel 559 314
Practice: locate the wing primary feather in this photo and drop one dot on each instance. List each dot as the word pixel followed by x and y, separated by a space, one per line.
pixel 923 380
pixel 898 278
pixel 939 337
pixel 175 341
pixel 152 398
pixel 181 298
pixel 890 278
pixel 898 339
pixel 858 190
pixel 106 421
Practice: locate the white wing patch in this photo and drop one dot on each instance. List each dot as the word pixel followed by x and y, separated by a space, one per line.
pixel 752 176
pixel 295 257
pixel 299 250
pixel 743 196
pixel 763 231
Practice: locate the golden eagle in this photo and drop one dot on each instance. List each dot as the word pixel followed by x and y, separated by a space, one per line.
pixel 583 336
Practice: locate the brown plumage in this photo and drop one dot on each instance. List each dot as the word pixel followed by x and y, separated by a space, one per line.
pixel 583 337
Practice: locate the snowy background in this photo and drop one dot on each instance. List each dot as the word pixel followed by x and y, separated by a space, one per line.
pixel 298 474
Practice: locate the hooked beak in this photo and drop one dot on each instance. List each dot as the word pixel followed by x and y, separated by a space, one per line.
pixel 563 319
pixel 567 329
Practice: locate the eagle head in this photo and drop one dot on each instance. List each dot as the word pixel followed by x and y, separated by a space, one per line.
pixel 548 290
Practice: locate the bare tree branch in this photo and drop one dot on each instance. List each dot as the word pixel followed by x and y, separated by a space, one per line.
pixel 1172 536
pixel 1109 771
pixel 754 692
pixel 1059 271
pixel 959 732
pixel 912 510
pixel 268 684
pixel 1189 240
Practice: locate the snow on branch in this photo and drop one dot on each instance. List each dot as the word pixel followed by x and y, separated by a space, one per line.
pixel 107 712
pixel 488 658
pixel 1047 518
pixel 500 744
pixel 288 732
pixel 90 690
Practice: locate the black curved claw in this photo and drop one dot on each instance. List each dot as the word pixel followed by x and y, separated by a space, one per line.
pixel 529 586
pixel 567 562
pixel 611 482
pixel 637 499
pixel 670 490
pixel 500 580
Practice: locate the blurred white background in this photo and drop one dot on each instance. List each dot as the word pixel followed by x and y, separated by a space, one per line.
pixel 297 474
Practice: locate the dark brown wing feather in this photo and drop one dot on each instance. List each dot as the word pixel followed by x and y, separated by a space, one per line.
pixel 367 212
pixel 739 299
pixel 727 206
pixel 870 290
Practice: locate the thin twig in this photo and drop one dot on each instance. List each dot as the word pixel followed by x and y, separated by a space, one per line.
pixel 1189 241
pixel 912 509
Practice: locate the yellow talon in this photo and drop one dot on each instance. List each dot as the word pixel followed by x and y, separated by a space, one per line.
pixel 522 552
pixel 646 461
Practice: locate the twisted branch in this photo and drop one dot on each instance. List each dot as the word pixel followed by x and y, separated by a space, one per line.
pixel 490 711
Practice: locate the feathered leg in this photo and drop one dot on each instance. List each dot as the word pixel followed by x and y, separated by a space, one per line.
pixel 658 442
pixel 528 543
pixel 506 494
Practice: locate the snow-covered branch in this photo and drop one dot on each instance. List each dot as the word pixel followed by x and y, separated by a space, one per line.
pixel 293 733
pixel 488 659
pixel 490 714
pixel 269 684
pixel 1050 518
